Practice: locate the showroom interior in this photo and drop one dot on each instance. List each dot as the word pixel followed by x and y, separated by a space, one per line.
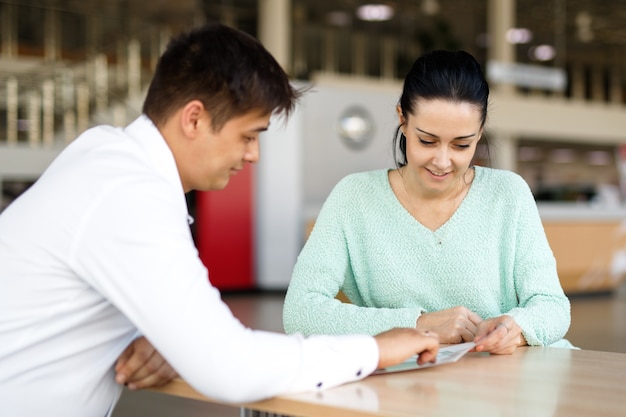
pixel 557 73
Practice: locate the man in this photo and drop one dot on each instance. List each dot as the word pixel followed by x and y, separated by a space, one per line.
pixel 98 251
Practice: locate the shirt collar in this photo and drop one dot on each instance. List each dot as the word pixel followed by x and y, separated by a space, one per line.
pixel 150 139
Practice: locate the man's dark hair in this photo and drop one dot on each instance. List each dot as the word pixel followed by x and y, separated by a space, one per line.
pixel 229 71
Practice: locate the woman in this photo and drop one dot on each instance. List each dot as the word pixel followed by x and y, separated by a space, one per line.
pixel 435 243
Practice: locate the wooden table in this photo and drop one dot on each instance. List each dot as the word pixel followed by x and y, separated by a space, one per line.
pixel 533 382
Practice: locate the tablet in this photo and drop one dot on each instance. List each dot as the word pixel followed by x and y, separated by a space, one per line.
pixel 446 354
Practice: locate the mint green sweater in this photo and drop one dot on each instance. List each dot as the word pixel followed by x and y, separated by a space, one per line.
pixel 491 256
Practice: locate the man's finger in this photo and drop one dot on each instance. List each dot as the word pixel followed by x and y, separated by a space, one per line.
pixel 160 377
pixel 150 367
pixel 135 363
pixel 121 361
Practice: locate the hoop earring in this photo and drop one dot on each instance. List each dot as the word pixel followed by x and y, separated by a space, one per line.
pixel 400 142
pixel 399 135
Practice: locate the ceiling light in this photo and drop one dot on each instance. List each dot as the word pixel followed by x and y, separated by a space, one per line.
pixel 518 35
pixel 374 12
pixel 542 53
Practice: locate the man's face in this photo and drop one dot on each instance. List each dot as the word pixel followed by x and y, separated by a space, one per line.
pixel 216 156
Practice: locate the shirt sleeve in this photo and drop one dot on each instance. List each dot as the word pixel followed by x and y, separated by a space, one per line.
pixel 323 268
pixel 135 249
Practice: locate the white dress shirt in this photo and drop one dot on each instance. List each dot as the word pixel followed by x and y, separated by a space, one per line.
pixel 99 250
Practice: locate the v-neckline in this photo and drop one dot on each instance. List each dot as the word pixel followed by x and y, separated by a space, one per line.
pixel 436 232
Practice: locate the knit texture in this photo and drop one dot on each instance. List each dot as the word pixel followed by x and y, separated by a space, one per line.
pixel 492 256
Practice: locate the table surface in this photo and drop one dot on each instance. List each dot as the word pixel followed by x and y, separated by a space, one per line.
pixel 534 381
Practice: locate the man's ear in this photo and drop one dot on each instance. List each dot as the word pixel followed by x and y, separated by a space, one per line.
pixel 192 116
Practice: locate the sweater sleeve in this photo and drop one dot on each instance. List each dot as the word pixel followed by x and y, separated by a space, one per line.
pixel 325 266
pixel 543 310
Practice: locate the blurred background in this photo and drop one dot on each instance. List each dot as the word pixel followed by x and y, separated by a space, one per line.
pixel 556 69
pixel 557 116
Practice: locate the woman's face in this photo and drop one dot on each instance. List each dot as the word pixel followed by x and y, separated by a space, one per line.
pixel 441 138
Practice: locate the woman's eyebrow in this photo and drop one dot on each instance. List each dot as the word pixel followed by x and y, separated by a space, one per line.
pixel 435 136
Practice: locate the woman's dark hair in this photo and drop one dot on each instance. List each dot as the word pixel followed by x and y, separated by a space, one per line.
pixel 448 75
pixel 229 71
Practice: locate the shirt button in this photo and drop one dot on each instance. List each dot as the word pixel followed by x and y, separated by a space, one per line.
pixel 319 385
pixel 359 372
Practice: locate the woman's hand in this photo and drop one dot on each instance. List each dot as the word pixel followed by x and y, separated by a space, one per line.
pixel 499 335
pixel 397 345
pixel 454 325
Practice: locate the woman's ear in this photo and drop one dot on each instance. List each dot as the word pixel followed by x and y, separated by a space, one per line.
pixel 401 118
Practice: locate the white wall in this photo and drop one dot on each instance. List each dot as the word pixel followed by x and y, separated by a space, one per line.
pixel 278 202
pixel 326 158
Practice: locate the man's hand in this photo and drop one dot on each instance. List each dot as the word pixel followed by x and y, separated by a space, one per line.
pixel 141 366
pixel 499 335
pixel 397 345
pixel 454 325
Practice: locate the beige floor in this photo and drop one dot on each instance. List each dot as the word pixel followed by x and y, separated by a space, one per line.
pixel 597 324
